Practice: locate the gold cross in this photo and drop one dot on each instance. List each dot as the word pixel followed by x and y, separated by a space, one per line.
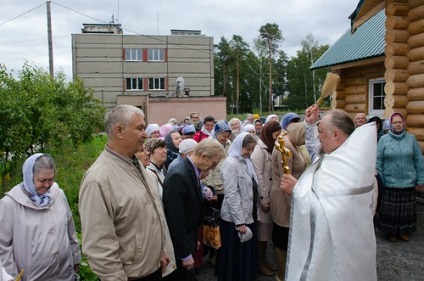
pixel 285 152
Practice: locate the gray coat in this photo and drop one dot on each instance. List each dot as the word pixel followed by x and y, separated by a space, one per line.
pixel 238 186
pixel 40 240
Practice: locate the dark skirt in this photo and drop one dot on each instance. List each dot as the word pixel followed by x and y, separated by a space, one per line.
pixel 280 236
pixel 397 211
pixel 236 261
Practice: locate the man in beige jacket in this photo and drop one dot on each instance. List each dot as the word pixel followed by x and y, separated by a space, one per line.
pixel 123 225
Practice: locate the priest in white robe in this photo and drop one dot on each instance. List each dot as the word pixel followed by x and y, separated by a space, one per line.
pixel 331 225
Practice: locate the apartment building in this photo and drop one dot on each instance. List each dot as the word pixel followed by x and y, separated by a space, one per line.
pixel 137 68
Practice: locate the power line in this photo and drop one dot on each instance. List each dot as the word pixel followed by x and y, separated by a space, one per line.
pixel 18 16
pixel 134 32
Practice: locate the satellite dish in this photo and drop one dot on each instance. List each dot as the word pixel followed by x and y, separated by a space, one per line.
pixel 179 85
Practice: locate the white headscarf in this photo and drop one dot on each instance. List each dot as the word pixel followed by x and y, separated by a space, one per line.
pixel 248 127
pixel 272 116
pixel 151 128
pixel 235 151
pixel 28 183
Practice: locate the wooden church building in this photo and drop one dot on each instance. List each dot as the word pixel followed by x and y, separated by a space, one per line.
pixel 381 62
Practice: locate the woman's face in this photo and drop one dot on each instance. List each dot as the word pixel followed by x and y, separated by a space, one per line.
pixel 176 139
pixel 247 151
pixel 235 126
pixel 360 120
pixel 397 124
pixel 258 126
pixel 209 126
pixel 252 132
pixel 155 134
pixel 158 156
pixel 43 180
pixel 276 134
pixel 144 157
pixel 275 118
pixel 223 137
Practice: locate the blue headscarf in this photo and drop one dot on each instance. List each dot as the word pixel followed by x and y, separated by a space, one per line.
pixel 220 126
pixel 28 183
pixel 285 122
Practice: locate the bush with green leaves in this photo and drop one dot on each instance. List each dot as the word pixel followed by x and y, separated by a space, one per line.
pixel 38 111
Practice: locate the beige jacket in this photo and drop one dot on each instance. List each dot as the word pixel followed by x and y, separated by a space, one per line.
pixel 122 220
pixel 40 240
pixel 262 163
pixel 280 201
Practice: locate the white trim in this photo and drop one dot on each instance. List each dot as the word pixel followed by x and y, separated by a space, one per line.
pixel 371 110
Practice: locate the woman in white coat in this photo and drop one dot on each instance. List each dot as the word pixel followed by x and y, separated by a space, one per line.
pixel 37 231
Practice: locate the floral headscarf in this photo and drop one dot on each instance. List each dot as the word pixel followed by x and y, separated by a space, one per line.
pixel 28 183
pixel 391 121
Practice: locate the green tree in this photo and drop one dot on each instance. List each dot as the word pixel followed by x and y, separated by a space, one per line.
pixel 272 37
pixel 223 58
pixel 304 84
pixel 240 49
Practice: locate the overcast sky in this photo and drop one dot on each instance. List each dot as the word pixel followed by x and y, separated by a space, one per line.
pixel 23 26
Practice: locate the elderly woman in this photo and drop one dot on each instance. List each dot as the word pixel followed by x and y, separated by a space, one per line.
pixel 280 201
pixel 156 148
pixel 400 165
pixel 144 157
pixel 262 163
pixel 360 119
pixel 153 131
pixel 172 142
pixel 221 133
pixel 237 258
pixel 272 117
pixel 289 118
pixel 236 127
pixel 38 234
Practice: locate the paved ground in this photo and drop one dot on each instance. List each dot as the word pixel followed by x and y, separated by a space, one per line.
pixel 396 261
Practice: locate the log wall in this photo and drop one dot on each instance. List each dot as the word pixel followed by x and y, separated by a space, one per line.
pixel 415 81
pixel 405 63
pixel 351 94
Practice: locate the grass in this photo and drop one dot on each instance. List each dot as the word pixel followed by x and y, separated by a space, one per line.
pixel 71 165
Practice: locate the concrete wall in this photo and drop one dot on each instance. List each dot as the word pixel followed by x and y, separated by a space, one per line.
pixel 160 110
pixel 98 59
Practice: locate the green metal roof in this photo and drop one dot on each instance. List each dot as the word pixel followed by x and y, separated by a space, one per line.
pixel 366 42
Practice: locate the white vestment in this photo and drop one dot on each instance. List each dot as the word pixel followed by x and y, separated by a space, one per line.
pixel 331 225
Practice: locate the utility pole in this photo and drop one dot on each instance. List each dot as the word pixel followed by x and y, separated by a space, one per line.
pixel 49 39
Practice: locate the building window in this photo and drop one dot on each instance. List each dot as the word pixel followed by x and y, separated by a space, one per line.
pixel 376 96
pixel 134 84
pixel 133 54
pixel 156 54
pixel 156 83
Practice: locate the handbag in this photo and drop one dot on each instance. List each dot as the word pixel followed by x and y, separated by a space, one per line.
pixel 211 232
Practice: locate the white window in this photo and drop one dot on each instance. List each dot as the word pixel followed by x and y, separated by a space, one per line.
pixel 156 83
pixel 376 96
pixel 134 84
pixel 156 54
pixel 133 54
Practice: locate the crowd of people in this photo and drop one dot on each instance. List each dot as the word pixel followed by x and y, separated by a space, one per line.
pixel 287 182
